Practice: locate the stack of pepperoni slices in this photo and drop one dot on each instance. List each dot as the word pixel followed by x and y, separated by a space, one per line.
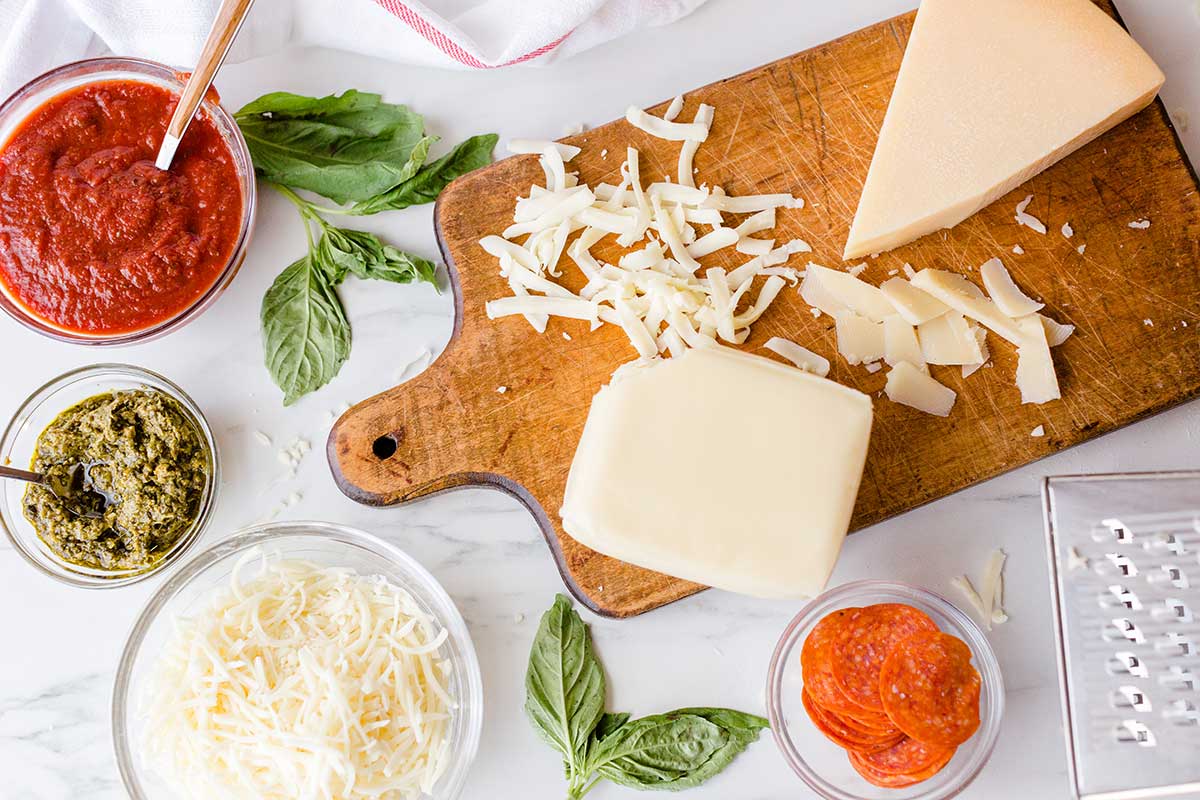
pixel 887 685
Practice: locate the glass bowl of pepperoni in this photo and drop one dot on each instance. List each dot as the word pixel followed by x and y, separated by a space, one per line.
pixel 883 690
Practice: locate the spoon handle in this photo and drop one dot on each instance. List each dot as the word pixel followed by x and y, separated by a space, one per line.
pixel 20 474
pixel 230 17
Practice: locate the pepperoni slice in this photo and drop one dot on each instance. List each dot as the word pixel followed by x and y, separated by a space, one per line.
pixel 816 663
pixel 904 764
pixel 863 641
pixel 844 735
pixel 931 690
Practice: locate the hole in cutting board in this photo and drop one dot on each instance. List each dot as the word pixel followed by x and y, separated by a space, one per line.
pixel 385 446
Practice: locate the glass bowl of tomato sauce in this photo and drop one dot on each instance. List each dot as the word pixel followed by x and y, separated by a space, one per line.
pixel 823 765
pixel 97 245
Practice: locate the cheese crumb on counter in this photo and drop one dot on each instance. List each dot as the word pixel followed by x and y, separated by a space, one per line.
pixel 1029 220
pixel 988 602
pixel 1140 224
pixel 1018 250
pixel 1080 249
pixel 501 389
pixel 1039 431
pixel 1067 230
pixel 262 438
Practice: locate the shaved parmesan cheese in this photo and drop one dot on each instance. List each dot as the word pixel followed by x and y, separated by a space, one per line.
pixel 754 247
pixel 750 203
pixel 818 296
pixel 856 295
pixel 980 335
pixel 859 339
pixel 910 302
pixel 574 308
pixel 664 129
pixel 303 681
pixel 1056 332
pixel 712 241
pixel 1035 368
pixel 673 110
pixel 909 386
pixel 756 223
pixel 538 146
pixel 802 357
pixel 947 287
pixel 989 601
pixel 900 343
pixel 1004 292
pixel 1028 220
pixel 948 340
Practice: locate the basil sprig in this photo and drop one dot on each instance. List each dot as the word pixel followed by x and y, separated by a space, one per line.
pixel 354 149
pixel 564 699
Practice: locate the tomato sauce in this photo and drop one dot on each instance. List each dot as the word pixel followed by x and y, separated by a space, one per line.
pixel 94 238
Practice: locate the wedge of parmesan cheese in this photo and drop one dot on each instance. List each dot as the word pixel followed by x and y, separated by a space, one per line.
pixel 911 303
pixel 909 386
pixel 990 93
pixel 859 339
pixel 1035 368
pixel 642 487
pixel 1007 296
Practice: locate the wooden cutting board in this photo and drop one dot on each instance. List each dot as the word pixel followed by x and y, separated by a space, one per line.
pixel 504 407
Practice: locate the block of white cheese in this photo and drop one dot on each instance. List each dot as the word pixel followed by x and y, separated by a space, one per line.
pixel 990 93
pixel 722 468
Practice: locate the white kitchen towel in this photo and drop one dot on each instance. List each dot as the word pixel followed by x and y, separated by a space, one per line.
pixel 36 35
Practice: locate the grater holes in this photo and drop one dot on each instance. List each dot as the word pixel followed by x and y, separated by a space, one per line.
pixel 1126 663
pixel 1131 697
pixel 1119 595
pixel 1176 644
pixel 1179 678
pixel 1128 628
pixel 1113 530
pixel 1124 564
pixel 1174 575
pixel 1182 713
pixel 1173 610
pixel 1135 732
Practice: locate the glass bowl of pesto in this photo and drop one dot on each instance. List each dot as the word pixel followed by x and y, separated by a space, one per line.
pixel 140 443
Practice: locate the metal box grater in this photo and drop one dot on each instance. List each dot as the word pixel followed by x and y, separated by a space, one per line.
pixel 1125 579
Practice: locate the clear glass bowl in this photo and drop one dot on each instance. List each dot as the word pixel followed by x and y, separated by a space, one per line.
pixel 32 95
pixel 19 440
pixel 822 764
pixel 191 589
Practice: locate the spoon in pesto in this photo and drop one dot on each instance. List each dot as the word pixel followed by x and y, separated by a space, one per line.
pixel 79 495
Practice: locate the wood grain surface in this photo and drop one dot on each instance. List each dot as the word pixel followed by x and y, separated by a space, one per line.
pixel 805 124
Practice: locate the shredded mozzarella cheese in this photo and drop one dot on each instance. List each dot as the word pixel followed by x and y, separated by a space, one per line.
pixel 305 681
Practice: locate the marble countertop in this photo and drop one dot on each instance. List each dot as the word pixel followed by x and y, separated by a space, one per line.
pixel 56 671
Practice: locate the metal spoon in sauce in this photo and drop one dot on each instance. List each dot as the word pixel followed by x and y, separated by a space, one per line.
pixel 225 27
pixel 79 494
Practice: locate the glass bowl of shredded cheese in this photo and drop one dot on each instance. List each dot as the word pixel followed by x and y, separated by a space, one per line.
pixel 293 660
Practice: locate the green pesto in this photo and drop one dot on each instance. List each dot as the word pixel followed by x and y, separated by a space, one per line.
pixel 146 454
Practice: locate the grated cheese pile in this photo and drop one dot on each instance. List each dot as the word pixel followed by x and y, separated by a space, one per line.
pixel 658 291
pixel 303 682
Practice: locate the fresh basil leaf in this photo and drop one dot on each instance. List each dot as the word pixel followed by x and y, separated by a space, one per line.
pixel 362 254
pixel 564 684
pixel 285 105
pixel 609 723
pixel 673 751
pixel 306 336
pixel 428 183
pixel 348 147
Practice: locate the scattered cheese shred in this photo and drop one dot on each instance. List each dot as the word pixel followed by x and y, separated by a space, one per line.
pixel 802 357
pixel 1028 220
pixel 304 681
pixel 1140 224
pixel 665 129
